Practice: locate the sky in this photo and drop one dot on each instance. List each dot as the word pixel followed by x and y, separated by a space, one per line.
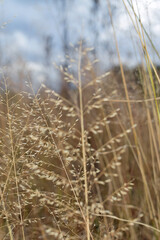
pixel 25 24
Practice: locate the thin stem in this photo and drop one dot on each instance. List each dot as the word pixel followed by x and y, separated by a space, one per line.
pixel 13 157
pixel 83 142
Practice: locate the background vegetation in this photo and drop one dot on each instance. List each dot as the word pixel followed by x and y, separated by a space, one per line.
pixel 83 163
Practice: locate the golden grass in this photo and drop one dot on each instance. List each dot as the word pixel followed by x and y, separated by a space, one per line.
pixel 83 164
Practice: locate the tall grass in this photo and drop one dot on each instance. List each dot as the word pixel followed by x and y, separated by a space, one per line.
pixel 83 165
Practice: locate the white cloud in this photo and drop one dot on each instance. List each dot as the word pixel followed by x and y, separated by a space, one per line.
pixel 20 44
pixel 34 19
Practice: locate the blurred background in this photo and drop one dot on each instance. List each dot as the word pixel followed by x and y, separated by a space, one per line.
pixel 98 136
pixel 36 33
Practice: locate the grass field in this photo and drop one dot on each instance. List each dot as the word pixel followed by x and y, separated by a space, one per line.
pixel 84 163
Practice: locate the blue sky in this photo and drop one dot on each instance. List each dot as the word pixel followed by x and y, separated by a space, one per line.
pixel 29 21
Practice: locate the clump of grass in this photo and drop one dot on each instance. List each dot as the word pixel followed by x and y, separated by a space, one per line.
pixel 59 165
pixel 61 173
pixel 85 166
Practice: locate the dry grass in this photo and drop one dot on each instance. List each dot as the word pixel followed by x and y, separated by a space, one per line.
pixel 70 168
pixel 83 164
